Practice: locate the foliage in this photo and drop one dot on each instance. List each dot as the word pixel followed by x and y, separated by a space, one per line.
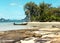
pixel 42 12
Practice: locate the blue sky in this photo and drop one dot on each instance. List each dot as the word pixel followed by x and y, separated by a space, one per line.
pixel 13 9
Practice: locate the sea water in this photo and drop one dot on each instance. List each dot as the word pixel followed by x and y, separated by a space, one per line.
pixel 5 26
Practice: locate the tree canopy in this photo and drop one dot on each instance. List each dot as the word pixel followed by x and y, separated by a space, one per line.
pixel 43 12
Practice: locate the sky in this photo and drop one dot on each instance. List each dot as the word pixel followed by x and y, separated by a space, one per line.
pixel 14 9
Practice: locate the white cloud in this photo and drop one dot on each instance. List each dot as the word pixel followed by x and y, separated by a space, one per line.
pixel 16 4
pixel 13 4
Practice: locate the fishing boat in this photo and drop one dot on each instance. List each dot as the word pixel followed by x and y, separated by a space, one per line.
pixel 24 23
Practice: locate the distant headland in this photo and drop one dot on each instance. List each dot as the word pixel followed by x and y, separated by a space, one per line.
pixel 14 20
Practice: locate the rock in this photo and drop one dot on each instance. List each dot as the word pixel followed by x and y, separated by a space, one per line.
pixel 17 35
pixel 37 35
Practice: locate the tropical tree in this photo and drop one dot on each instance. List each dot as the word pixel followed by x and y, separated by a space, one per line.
pixel 44 8
pixel 31 8
pixel 42 12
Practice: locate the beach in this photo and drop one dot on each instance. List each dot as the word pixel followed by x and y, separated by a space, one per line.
pixel 48 31
pixel 5 26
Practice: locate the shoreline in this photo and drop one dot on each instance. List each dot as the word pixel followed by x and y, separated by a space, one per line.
pixel 17 35
pixel 44 32
pixel 31 25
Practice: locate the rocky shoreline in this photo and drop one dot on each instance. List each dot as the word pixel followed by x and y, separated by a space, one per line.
pixel 44 35
pixel 17 35
pixel 14 36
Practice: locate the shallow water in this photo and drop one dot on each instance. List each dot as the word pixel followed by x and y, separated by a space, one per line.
pixel 4 26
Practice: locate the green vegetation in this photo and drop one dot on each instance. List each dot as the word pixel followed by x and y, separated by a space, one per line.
pixel 43 12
